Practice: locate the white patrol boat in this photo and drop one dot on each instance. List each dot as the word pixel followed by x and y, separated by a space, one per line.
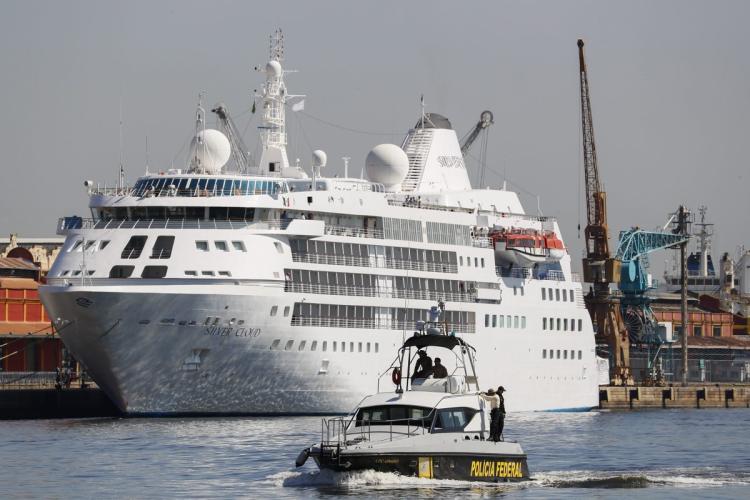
pixel 428 427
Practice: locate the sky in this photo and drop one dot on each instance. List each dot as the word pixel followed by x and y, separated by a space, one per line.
pixel 670 89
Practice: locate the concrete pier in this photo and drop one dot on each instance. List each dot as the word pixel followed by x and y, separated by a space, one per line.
pixel 694 396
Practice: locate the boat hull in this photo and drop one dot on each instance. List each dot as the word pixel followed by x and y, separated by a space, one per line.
pixel 458 466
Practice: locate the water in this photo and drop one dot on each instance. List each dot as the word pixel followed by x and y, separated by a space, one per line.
pixel 647 454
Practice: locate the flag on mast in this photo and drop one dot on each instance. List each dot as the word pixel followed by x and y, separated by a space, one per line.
pixel 299 105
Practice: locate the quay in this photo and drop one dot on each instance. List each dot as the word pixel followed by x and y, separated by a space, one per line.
pixel 55 403
pixel 693 396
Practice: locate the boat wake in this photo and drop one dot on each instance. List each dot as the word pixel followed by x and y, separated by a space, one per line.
pixel 685 478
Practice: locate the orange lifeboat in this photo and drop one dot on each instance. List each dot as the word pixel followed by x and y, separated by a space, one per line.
pixel 526 247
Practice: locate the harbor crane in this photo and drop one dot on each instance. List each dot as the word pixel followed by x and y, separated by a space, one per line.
pixel 485 120
pixel 632 251
pixel 229 129
pixel 599 267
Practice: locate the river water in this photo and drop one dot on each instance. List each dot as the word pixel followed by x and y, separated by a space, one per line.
pixel 644 454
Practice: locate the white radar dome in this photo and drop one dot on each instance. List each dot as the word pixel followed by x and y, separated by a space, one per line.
pixel 273 68
pixel 210 150
pixel 387 164
pixel 319 158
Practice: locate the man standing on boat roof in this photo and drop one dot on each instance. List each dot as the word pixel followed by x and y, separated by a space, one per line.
pixel 494 402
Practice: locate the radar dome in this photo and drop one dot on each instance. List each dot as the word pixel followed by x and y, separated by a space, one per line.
pixel 273 68
pixel 210 150
pixel 387 164
pixel 319 158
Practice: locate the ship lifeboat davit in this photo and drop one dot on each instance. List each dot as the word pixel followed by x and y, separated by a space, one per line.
pixel 526 247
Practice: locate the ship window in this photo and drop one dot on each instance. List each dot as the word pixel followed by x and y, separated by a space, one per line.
pixel 508 321
pixel 515 291
pixel 274 310
pixel 368 347
pixel 65 273
pixel 334 346
pixel 88 245
pixel 167 321
pixel 343 347
pixel 482 261
pixel 452 419
pixel 549 293
pixel 76 246
pixel 544 294
pixel 570 294
pixel 557 294
pixel 351 346
pixel 134 247
pixel 221 245
pixel 515 321
pixel 523 321
pixel 376 346
pixel 239 246
pixel 224 273
pixel 544 323
pixel 476 262
pixel 544 353
pixel 144 322
pixel 207 273
pixel 565 354
pixel 301 346
pixel 90 273
pixel 359 347
pixel 572 354
pixel 565 324
pixel 286 311
pixel 163 247
pixel 558 324
pixel 502 321
pixel 314 345
pixel 580 325
pixel 154 272
pixel 486 320
pixel 103 244
pixel 558 354
pixel 494 321
pixel 468 261
pixel 202 246
pixel 288 345
pixel 275 344
pixel 580 354
pixel 192 322
pixel 121 271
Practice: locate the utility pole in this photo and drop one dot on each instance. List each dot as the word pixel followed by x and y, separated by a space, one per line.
pixel 683 229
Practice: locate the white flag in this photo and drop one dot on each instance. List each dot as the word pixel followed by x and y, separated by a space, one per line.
pixel 299 105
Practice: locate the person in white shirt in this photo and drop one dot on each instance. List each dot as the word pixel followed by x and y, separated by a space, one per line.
pixel 494 403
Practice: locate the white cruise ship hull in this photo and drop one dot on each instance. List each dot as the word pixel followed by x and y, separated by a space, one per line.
pixel 262 366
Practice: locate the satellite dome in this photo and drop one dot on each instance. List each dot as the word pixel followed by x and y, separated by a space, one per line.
pixel 387 164
pixel 210 150
pixel 273 68
pixel 319 158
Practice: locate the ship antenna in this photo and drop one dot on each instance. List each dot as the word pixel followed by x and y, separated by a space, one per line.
pixel 421 102
pixel 121 173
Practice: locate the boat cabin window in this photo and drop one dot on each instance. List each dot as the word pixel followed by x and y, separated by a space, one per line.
pixel 154 272
pixel 121 271
pixel 394 414
pixel 453 419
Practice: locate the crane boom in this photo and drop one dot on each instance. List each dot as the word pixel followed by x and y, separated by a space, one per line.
pixel 599 268
pixel 239 150
pixel 485 120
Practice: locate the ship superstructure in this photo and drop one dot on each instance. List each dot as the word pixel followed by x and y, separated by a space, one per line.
pixel 270 291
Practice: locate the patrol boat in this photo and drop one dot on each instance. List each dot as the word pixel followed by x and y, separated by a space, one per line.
pixel 428 427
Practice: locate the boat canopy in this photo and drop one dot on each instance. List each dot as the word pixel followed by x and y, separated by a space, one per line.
pixel 444 341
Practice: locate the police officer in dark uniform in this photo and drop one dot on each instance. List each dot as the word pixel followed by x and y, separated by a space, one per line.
pixel 501 414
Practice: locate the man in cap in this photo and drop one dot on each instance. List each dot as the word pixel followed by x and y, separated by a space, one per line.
pixel 494 403
pixel 501 412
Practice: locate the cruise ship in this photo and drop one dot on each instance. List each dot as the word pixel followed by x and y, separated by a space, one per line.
pixel 275 289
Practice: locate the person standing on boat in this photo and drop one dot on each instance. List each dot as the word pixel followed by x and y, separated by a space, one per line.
pixel 501 412
pixel 494 403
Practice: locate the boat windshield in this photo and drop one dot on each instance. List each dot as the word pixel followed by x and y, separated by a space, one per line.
pixel 453 419
pixel 395 415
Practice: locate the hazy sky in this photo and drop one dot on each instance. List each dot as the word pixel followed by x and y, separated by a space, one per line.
pixel 670 87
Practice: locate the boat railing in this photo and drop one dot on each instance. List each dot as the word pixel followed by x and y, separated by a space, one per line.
pixel 387 293
pixel 528 273
pixel 67 223
pixel 372 323
pixel 374 261
pixel 354 231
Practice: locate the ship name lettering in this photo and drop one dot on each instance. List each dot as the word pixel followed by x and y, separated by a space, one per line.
pixel 450 161
pixel 226 331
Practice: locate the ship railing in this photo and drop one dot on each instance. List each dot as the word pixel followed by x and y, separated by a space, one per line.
pixel 24 380
pixel 371 323
pixel 67 223
pixel 481 242
pixel 416 202
pixel 374 261
pixel 362 291
pixel 528 273
pixel 354 231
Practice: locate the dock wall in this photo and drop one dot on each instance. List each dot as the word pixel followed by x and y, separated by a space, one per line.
pixel 709 396
pixel 55 403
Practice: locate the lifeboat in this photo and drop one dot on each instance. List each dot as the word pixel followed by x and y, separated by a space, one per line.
pixel 526 247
